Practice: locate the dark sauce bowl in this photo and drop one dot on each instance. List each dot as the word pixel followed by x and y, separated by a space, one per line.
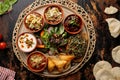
pixel 73 24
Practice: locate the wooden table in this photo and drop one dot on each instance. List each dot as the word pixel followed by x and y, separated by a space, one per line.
pixel 105 43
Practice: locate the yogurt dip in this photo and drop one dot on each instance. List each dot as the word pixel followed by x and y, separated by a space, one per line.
pixel 27 42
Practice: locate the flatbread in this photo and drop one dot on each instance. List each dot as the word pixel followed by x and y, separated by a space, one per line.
pixel 116 54
pixel 101 65
pixel 104 74
pixel 110 10
pixel 116 72
pixel 114 26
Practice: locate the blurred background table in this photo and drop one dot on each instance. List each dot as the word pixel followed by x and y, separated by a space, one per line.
pixel 105 43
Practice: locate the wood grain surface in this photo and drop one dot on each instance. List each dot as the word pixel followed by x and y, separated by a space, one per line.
pixel 105 43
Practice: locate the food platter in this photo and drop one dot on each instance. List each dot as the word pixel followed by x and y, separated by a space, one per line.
pixel 69 7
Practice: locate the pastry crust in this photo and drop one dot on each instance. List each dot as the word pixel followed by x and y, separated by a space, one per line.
pixel 59 63
pixel 51 65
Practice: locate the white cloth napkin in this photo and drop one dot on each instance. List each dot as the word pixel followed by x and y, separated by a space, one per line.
pixel 6 74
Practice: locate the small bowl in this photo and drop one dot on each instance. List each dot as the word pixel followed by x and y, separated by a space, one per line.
pixel 73 24
pixel 50 15
pixel 36 61
pixel 26 42
pixel 34 22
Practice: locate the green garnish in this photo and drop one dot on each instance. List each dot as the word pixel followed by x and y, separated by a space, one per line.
pixel 6 5
pixel 54 37
pixel 73 21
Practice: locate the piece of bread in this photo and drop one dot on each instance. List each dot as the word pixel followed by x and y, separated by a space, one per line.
pixel 101 65
pixel 51 65
pixel 110 10
pixel 116 54
pixel 104 74
pixel 114 27
pixel 116 72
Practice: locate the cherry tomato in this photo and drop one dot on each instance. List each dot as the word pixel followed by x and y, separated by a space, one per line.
pixel 1 36
pixel 3 45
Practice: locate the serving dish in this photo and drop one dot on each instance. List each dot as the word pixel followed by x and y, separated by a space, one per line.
pixel 53 14
pixel 34 22
pixel 73 24
pixel 37 61
pixel 26 42
pixel 87 34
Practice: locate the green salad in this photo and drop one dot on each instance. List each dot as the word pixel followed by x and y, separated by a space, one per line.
pixel 55 40
pixel 6 6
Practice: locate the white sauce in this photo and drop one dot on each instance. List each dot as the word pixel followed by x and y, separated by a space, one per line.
pixel 22 42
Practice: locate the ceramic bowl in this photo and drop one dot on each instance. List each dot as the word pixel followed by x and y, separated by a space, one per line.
pixel 73 24
pixel 36 61
pixel 53 14
pixel 26 42
pixel 34 22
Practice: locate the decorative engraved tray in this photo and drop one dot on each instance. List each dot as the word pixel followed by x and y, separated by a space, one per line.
pixel 69 7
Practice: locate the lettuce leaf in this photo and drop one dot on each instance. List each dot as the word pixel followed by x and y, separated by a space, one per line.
pixel 12 1
pixel 6 5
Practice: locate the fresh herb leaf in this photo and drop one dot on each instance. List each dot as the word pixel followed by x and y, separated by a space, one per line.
pixel 46 26
pixel 73 23
pixel 63 42
pixel 61 30
pixel 6 5
pixel 46 35
pixel 64 34
pixel 12 2
pixel 55 29
pixel 45 39
pixel 52 38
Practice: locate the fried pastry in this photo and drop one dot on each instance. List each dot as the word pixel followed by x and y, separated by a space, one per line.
pixel 51 65
pixel 59 63
pixel 67 58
